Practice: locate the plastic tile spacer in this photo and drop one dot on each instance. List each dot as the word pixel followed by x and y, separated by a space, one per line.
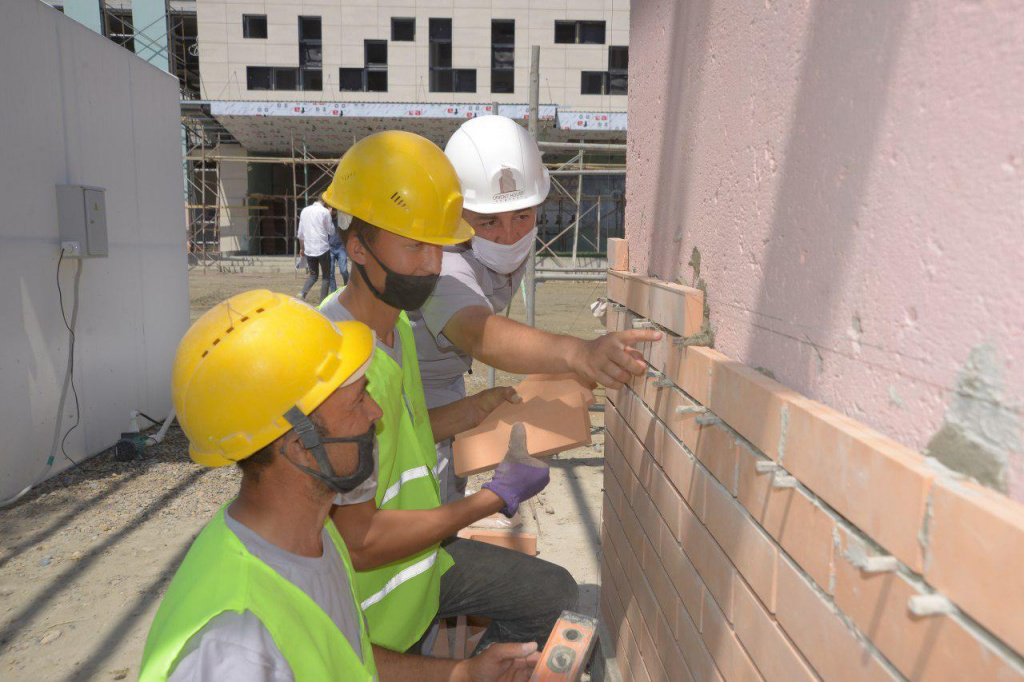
pixel 782 480
pixel 707 419
pixel 879 564
pixel 617 307
pixel 641 323
pixel 766 467
pixel 663 382
pixel 691 409
pixel 930 605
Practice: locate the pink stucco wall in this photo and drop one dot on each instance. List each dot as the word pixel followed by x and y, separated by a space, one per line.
pixel 852 175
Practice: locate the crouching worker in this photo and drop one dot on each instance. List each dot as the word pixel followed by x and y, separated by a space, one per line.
pixel 267 590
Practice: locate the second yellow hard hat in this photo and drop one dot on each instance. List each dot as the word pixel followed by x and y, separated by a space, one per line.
pixel 403 183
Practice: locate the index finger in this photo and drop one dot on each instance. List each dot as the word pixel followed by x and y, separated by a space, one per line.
pixel 635 336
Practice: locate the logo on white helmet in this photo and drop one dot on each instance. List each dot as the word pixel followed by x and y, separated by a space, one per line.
pixel 508 189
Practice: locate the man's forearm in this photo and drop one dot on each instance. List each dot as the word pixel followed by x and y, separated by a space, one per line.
pixel 448 420
pixel 392 665
pixel 511 346
pixel 386 535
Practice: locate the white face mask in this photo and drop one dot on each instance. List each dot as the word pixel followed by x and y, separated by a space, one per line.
pixel 504 258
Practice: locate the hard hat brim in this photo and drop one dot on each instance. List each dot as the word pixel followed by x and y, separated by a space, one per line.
pixel 508 207
pixel 463 232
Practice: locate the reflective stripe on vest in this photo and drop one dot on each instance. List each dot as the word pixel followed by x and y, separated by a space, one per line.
pixel 219 574
pixel 406 573
pixel 410 475
pixel 401 598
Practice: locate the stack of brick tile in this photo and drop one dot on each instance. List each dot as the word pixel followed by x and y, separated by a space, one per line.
pixel 751 533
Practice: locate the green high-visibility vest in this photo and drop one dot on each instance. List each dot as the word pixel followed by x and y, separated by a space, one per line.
pixel 400 599
pixel 219 574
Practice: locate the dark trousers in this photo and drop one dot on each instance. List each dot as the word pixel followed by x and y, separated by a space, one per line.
pixel 522 595
pixel 319 268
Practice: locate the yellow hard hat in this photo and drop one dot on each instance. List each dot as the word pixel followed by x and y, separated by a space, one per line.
pixel 402 183
pixel 250 359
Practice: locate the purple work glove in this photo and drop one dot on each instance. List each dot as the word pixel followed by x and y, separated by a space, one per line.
pixel 519 476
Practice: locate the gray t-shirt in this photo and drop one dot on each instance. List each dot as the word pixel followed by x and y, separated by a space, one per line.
pixel 237 647
pixel 366 491
pixel 465 282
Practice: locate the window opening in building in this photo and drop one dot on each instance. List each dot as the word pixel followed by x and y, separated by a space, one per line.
pixel 259 78
pixel 310 53
pixel 618 69
pixel 565 32
pixel 350 80
pixel 503 55
pixel 403 29
pixel 373 77
pixel 375 52
pixel 591 32
pixel 286 79
pixel 254 25
pixel 444 78
pixel 592 82
pixel 312 79
pixel 119 28
pixel 581 32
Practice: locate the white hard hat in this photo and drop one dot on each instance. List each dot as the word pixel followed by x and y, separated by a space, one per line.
pixel 498 164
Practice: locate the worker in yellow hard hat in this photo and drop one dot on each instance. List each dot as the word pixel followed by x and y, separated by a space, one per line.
pixel 266 592
pixel 404 199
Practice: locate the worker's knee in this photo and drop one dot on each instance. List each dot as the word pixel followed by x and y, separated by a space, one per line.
pixel 561 592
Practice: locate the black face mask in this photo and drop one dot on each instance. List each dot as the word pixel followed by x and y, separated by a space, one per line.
pixel 312 441
pixel 405 292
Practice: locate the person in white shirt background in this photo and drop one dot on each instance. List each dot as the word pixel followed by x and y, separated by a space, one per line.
pixel 504 182
pixel 316 227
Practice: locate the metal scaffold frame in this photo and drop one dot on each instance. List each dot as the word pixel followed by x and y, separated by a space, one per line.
pixel 310 175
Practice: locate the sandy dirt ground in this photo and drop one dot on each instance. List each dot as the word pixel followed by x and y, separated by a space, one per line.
pixel 86 556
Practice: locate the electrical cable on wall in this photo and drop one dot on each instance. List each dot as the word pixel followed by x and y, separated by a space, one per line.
pixel 71 361
pixel 71 381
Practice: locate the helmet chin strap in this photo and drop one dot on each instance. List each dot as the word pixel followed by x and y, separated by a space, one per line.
pixel 310 439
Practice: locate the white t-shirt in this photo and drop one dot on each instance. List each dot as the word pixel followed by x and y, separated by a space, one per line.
pixel 315 229
pixel 237 647
pixel 336 312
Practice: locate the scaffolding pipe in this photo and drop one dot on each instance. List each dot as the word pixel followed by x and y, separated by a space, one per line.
pixel 569 277
pixel 589 171
pixel 557 270
pixel 579 198
pixel 583 146
pixel 530 281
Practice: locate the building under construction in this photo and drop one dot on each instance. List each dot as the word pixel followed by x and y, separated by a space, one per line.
pixel 270 101
pixel 817 475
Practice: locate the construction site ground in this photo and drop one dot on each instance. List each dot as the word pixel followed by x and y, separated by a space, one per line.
pixel 86 556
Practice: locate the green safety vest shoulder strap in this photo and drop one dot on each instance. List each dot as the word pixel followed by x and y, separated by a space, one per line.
pixel 219 574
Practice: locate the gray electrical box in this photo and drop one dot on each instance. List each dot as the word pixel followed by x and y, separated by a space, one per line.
pixel 82 214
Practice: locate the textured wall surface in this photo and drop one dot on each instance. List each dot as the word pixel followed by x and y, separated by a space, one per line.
pixel 852 177
pixel 87 112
